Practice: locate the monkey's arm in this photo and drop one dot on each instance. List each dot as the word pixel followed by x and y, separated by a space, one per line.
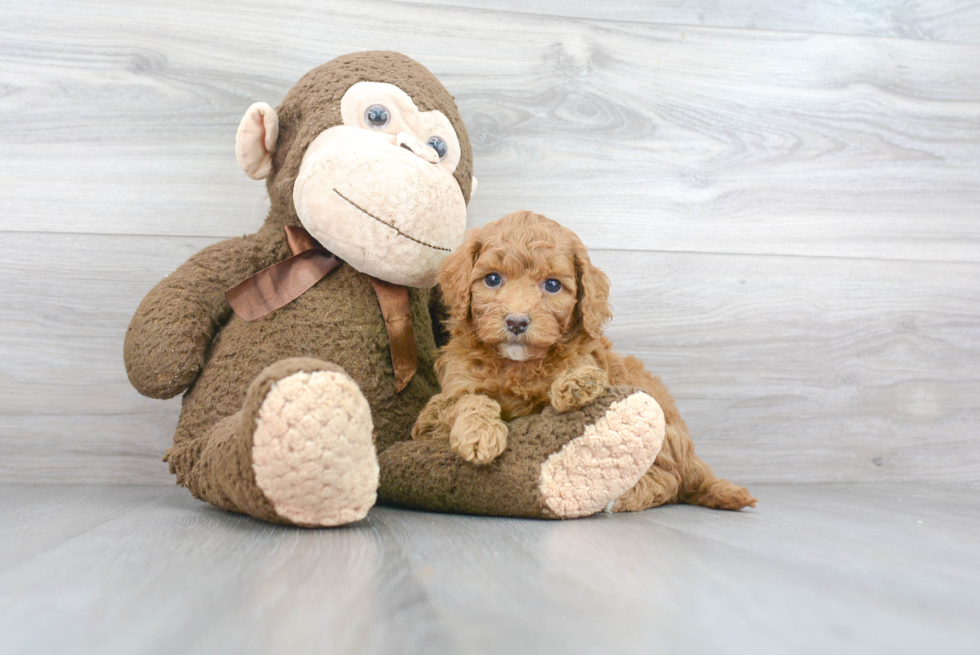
pixel 168 338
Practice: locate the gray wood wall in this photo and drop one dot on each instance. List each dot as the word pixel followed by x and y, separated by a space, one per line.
pixel 786 197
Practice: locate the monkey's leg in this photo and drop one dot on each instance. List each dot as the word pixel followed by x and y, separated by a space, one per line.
pixel 299 451
pixel 555 466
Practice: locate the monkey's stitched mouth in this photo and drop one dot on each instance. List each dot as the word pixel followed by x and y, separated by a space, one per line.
pixel 387 224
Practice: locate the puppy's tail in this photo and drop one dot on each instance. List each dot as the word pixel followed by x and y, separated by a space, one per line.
pixel 683 476
pixel 701 487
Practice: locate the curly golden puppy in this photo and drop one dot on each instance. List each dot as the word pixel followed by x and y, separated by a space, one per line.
pixel 527 311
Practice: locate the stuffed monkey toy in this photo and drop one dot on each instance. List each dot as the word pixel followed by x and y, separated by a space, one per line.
pixel 305 351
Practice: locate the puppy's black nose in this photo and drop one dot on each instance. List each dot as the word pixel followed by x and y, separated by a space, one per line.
pixel 517 323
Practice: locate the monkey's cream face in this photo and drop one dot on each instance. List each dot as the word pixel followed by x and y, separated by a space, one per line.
pixel 379 192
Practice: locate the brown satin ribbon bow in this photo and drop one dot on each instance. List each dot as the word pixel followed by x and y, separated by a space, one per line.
pixel 280 284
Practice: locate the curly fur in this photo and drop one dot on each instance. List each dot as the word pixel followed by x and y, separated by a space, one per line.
pixel 562 358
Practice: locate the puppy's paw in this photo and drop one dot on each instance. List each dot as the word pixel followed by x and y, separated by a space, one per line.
pixel 426 428
pixel 433 422
pixel 577 387
pixel 478 435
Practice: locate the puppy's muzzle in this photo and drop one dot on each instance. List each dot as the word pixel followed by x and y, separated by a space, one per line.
pixel 517 323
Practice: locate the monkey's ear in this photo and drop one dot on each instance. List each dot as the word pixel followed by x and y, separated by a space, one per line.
pixel 255 142
pixel 473 185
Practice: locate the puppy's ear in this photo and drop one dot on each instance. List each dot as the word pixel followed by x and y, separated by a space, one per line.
pixel 455 277
pixel 593 295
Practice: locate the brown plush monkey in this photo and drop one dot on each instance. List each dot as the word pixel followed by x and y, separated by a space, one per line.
pixel 294 398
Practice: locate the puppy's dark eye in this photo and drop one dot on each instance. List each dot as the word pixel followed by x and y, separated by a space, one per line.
pixel 552 285
pixel 439 145
pixel 377 116
pixel 493 280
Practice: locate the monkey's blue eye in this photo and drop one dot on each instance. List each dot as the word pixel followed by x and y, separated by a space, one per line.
pixel 551 285
pixel 437 144
pixel 377 116
pixel 493 280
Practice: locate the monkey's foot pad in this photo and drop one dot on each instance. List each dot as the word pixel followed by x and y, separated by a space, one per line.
pixel 312 451
pixel 590 472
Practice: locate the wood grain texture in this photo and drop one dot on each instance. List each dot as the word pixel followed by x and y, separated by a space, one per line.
pixel 817 569
pixel 36 518
pixel 813 569
pixel 169 577
pixel 785 368
pixel 789 217
pixel 637 135
pixel 945 20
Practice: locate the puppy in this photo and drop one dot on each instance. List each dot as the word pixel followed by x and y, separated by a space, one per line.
pixel 527 311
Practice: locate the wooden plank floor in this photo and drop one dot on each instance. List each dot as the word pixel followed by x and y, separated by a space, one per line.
pixel 814 569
